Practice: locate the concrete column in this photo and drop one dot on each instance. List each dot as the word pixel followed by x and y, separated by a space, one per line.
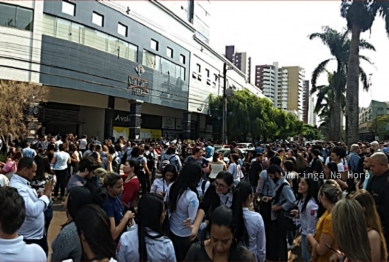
pixel 186 121
pixel 109 116
pixel 135 118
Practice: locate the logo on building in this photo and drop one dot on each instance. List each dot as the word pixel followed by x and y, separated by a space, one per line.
pixel 138 85
pixel 124 119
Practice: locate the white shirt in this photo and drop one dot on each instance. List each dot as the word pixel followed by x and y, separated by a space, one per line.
pixel 187 205
pixel 61 162
pixel 159 185
pixel 83 143
pixel 308 218
pixel 17 250
pixel 158 249
pixel 215 169
pixel 256 231
pixel 33 225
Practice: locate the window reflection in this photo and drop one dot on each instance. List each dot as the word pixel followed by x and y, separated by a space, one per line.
pixel 17 17
pixel 77 33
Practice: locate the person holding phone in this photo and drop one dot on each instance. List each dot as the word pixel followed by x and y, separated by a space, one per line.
pixel 161 185
pixel 33 228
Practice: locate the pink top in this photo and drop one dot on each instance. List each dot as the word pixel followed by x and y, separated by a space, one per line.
pixel 10 166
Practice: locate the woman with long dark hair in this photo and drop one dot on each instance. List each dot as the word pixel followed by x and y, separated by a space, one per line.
pixel 131 185
pixel 160 186
pixel 93 228
pixel 308 211
pixel 250 228
pixel 113 206
pixel 146 241
pixel 60 162
pixel 222 245
pixel 183 202
pixel 67 243
pixel 220 193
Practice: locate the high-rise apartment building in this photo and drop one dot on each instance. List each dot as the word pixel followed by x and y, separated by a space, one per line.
pixel 283 85
pixel 266 78
pixel 311 113
pixel 306 102
pixel 240 60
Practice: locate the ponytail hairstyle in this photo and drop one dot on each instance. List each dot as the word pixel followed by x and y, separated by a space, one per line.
pixel 150 211
pixel 135 165
pixel 243 191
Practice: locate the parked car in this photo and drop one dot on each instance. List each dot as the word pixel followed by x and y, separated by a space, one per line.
pixel 246 146
pixel 226 154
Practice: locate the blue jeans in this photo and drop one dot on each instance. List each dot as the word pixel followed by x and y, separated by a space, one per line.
pixel 304 248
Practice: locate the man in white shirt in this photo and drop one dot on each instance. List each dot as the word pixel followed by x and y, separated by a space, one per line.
pixel 32 229
pixel 12 215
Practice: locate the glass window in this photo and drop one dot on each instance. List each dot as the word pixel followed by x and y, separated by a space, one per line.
pixel 123 49
pixel 165 67
pixel 113 45
pixel 182 69
pixel 68 8
pixel 169 52
pixel 24 19
pixel 77 33
pixel 132 52
pixel 154 45
pixel 48 25
pixel 7 15
pixel 182 59
pixel 101 41
pixel 97 19
pixel 89 37
pixel 122 29
pixel 151 60
pixel 207 72
pixel 63 29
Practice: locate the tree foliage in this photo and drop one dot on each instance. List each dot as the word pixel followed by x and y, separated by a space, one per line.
pixel 255 117
pixel 16 103
pixel 379 126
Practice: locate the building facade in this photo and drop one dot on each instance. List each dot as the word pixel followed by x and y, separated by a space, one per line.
pixel 367 116
pixel 113 68
pixel 306 102
pixel 283 85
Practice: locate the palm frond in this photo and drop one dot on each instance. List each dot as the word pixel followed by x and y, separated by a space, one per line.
pixel 365 58
pixel 364 79
pixel 318 70
pixel 366 45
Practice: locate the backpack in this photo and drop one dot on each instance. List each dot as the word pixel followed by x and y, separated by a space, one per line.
pixel 115 165
pixel 167 162
pixel 150 161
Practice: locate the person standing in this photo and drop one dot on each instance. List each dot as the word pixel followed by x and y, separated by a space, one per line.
pixel 33 226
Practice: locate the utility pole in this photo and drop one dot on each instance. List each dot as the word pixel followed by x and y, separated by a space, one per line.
pixel 224 122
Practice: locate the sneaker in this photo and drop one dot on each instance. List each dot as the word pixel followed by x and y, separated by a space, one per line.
pixel 290 247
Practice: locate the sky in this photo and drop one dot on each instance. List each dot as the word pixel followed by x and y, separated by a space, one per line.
pixel 277 31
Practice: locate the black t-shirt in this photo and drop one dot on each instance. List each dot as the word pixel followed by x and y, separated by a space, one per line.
pixel 254 171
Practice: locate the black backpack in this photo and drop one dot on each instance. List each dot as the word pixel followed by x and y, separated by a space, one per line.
pixel 115 165
pixel 150 161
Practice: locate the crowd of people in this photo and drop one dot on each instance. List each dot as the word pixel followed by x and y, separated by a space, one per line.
pixel 181 200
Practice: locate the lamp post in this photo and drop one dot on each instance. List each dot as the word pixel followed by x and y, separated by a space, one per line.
pixel 224 122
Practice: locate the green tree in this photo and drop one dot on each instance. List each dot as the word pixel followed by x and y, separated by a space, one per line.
pixel 339 46
pixel 360 16
pixel 251 116
pixel 379 126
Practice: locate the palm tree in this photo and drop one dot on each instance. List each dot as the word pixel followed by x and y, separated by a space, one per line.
pixel 339 45
pixel 360 16
pixel 325 104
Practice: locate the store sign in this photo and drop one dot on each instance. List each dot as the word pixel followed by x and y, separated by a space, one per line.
pixel 168 123
pixel 121 118
pixel 138 85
